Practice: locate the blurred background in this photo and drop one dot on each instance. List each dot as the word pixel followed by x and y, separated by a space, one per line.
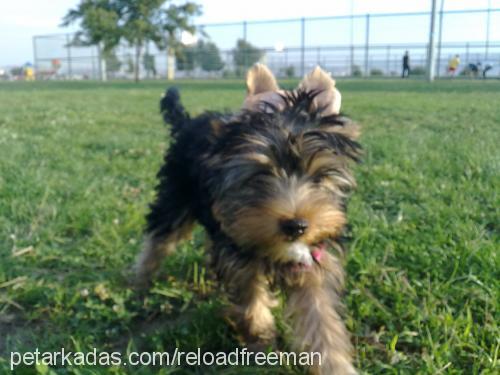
pixel 349 38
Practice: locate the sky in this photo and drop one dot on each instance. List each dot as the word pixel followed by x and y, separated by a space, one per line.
pixel 21 19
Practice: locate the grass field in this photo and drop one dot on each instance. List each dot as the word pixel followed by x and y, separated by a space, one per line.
pixel 77 169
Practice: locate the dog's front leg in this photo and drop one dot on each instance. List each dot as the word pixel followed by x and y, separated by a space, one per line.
pixel 313 305
pixel 252 301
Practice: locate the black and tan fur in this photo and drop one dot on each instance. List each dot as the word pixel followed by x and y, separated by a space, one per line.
pixel 269 185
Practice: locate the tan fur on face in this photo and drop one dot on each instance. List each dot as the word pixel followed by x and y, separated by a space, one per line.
pixel 259 227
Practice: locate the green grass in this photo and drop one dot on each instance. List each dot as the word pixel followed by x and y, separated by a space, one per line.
pixel 77 170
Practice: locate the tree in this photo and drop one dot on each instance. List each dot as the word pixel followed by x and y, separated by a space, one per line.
pixel 107 22
pixel 141 22
pixel 178 19
pixel 245 55
pixel 99 23
pixel 148 61
pixel 113 64
pixel 186 58
pixel 209 56
pixel 204 55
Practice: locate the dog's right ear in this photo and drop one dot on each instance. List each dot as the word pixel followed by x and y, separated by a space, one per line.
pixel 262 88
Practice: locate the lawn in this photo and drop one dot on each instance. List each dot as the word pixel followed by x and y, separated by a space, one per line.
pixel 77 170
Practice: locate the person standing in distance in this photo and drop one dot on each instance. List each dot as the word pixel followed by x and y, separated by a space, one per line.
pixel 406 65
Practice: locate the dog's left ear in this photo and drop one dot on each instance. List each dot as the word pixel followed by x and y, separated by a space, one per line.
pixel 262 88
pixel 328 98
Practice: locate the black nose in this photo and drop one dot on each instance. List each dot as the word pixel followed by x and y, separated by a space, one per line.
pixel 294 228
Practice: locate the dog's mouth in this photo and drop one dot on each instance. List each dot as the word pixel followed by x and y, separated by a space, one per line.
pixel 304 257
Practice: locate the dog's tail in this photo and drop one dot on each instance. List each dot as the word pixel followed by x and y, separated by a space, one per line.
pixel 172 110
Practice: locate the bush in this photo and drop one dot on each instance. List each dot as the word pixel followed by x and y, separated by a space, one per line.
pixel 17 71
pixel 356 71
pixel 289 71
pixel 418 71
pixel 226 73
pixel 376 72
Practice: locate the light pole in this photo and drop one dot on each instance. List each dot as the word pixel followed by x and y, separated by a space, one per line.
pixel 352 37
pixel 440 37
pixel 487 31
pixel 431 63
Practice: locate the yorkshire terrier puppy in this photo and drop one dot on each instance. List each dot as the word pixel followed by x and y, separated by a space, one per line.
pixel 269 184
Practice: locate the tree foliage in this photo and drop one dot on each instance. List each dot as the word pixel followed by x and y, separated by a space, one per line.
pixel 99 23
pixel 113 64
pixel 245 55
pixel 204 54
pixel 210 59
pixel 107 22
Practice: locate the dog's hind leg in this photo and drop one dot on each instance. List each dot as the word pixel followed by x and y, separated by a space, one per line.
pixel 156 247
pixel 313 306
pixel 169 221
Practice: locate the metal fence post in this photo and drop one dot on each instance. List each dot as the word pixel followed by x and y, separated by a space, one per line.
pixel 93 62
pixel 68 47
pixel 487 47
pixel 352 60
pixel 35 57
pixel 352 39
pixel 367 44
pixel 302 47
pixel 467 52
pixel 245 31
pixel 388 67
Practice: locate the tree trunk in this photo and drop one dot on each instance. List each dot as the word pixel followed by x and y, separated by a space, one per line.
pixel 147 61
pixel 170 64
pixel 137 61
pixel 102 63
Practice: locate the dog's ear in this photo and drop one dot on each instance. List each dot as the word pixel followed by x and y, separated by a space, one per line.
pixel 262 88
pixel 260 79
pixel 328 97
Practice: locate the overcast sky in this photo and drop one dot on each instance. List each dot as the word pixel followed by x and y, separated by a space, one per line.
pixel 21 19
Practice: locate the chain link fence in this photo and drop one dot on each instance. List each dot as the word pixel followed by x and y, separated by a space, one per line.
pixel 356 45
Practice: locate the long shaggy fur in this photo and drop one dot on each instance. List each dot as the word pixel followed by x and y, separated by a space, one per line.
pixel 269 185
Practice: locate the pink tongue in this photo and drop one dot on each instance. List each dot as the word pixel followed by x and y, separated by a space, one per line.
pixel 317 253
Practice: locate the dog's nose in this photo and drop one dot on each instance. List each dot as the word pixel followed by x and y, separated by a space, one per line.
pixel 294 228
